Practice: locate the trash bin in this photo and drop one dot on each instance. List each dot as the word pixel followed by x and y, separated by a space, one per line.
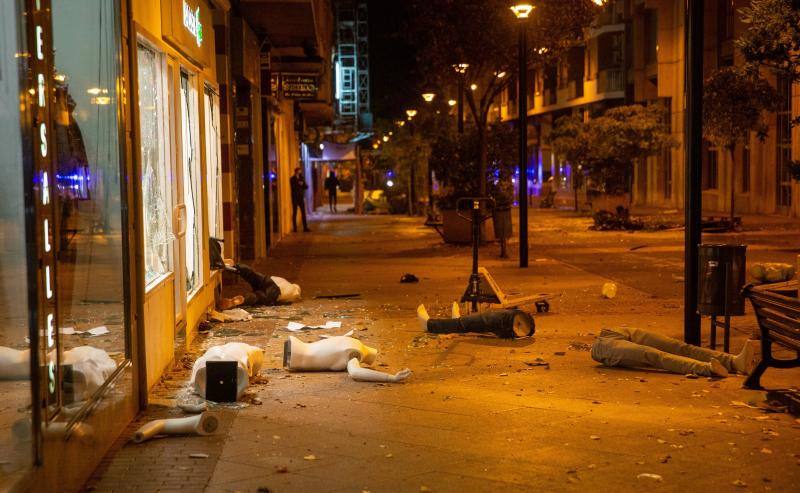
pixel 722 277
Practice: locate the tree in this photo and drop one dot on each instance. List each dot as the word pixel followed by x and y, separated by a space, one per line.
pixel 454 159
pixel 772 36
pixel 482 33
pixel 734 101
pixel 406 150
pixel 607 146
pixel 569 142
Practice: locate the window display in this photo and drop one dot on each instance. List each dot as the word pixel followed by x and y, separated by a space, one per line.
pixel 191 184
pixel 89 248
pixel 156 191
pixel 14 345
pixel 213 164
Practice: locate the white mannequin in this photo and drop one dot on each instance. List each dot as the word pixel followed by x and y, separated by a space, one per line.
pixel 201 424
pixel 91 367
pixel 249 360
pixel 14 364
pixel 289 292
pixel 337 354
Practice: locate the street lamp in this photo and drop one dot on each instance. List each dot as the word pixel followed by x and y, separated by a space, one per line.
pixel 461 69
pixel 522 11
pixel 412 182
pixel 428 96
pixel 452 102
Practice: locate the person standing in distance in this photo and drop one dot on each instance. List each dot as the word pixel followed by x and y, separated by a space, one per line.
pixel 331 184
pixel 299 186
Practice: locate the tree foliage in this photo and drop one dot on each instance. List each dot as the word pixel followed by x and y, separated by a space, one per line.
pixel 483 34
pixel 606 146
pixel 772 36
pixel 454 159
pixel 734 102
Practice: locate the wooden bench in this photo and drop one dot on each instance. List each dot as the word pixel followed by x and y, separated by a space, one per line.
pixel 777 309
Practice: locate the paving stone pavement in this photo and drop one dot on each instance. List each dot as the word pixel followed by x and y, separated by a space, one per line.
pixel 476 415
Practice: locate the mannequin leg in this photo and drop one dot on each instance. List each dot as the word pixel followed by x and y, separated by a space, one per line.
pixel 256 280
pixel 620 352
pixel 674 346
pixel 500 322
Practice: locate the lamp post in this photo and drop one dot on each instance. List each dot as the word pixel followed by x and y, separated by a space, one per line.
pixel 522 11
pixel 429 96
pixel 461 69
pixel 412 182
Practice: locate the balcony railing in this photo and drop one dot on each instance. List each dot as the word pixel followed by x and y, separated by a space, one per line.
pixel 610 80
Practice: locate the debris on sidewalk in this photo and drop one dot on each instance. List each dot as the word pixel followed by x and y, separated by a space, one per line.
pixel 236 315
pixel 298 327
pixel 579 346
pixel 609 290
pixel 539 362
pixel 646 475
pixel 409 278
pixel 198 456
pixel 336 296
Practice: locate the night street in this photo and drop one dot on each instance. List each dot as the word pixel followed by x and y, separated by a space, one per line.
pixel 478 414
pixel 399 246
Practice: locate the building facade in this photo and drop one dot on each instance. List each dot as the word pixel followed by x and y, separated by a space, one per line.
pixel 635 55
pixel 130 144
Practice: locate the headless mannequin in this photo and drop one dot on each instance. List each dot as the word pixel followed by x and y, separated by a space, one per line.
pixel 337 354
pixel 249 360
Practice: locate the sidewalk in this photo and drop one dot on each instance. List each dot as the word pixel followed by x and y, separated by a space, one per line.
pixel 476 415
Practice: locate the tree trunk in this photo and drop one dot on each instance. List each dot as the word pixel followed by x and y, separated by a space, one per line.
pixel 733 185
pixel 483 159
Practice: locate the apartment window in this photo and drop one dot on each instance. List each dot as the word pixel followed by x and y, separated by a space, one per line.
pixel 784 144
pixel 726 12
pixel 651 36
pixel 745 169
pixel 609 51
pixel 710 168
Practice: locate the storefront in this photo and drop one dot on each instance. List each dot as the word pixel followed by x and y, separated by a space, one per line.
pixel 66 276
pixel 178 150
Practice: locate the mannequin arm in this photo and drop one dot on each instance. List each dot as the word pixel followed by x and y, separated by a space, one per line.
pixel 360 374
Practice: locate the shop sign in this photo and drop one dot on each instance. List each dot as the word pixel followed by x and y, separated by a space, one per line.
pixel 43 183
pixel 191 21
pixel 300 86
pixel 186 25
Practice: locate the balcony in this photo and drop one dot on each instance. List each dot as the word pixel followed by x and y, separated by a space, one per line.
pixel 610 80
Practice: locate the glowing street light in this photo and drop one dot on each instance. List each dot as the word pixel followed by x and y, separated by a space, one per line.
pixel 452 102
pixel 523 10
pixel 428 96
pixel 411 113
pixel 500 75
pixel 473 87
pixel 386 138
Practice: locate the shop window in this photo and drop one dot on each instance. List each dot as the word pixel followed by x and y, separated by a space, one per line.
pixel 213 164
pixel 156 190
pixel 14 347
pixel 89 244
pixel 191 184
pixel 651 36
